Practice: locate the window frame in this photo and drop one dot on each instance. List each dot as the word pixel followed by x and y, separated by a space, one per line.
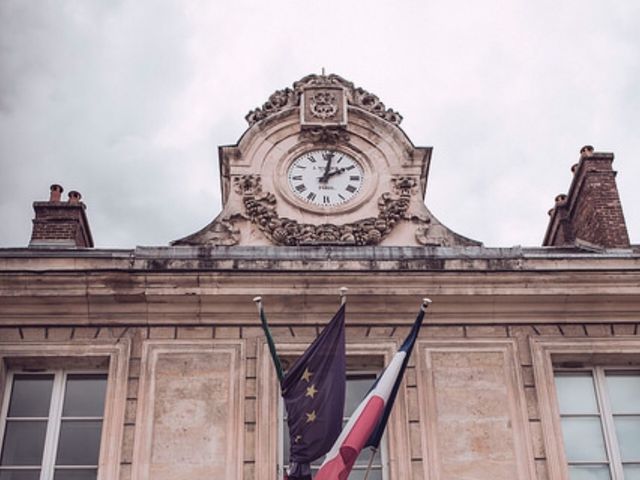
pixel 605 413
pixel 268 395
pixel 54 418
pixel 553 354
pixel 384 456
pixel 79 355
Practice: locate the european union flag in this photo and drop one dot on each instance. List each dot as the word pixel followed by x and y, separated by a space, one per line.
pixel 313 390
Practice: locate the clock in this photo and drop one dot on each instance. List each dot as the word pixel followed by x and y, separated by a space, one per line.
pixel 325 178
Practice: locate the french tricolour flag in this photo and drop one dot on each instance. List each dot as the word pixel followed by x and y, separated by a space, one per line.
pixel 366 425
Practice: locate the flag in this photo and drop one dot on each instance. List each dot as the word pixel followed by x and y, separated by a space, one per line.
pixel 366 425
pixel 313 390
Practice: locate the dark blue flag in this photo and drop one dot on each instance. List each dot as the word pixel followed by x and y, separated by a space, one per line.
pixel 313 390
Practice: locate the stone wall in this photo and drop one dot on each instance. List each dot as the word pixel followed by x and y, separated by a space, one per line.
pixel 439 422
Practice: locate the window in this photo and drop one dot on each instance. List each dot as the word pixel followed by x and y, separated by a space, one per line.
pixel 358 384
pixel 51 425
pixel 600 417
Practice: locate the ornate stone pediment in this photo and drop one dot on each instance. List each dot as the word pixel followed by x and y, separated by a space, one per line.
pixel 324 163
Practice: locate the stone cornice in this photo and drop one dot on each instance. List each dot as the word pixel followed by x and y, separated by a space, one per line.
pixel 320 259
pixel 294 298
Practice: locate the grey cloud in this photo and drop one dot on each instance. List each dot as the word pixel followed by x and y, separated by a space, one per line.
pixel 127 101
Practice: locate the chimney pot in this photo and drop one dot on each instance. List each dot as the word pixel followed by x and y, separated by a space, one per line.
pixel 561 199
pixel 55 192
pixel 586 151
pixel 74 197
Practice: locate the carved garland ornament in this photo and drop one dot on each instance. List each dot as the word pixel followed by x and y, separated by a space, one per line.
pixel 260 208
pixel 290 97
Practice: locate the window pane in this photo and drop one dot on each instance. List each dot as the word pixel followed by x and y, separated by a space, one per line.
pixel 23 442
pixel 79 442
pixel 628 434
pixel 84 396
pixel 365 456
pixel 631 472
pixel 19 474
pixel 30 396
pixel 357 388
pixel 583 441
pixel 589 472
pixel 65 474
pixel 576 393
pixel 624 392
pixel 374 474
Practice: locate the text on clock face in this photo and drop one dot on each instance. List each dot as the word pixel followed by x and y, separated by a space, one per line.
pixel 325 177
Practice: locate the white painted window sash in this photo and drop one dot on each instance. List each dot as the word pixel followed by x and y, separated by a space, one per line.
pixel 605 414
pixel 54 420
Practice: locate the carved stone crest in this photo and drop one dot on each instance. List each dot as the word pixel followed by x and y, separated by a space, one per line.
pixel 323 104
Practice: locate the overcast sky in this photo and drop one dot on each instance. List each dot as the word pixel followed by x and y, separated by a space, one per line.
pixel 127 101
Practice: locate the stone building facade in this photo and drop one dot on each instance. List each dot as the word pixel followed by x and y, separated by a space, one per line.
pixel 150 363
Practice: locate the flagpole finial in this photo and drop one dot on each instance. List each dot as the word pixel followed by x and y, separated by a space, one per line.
pixel 425 304
pixel 343 295
pixel 258 301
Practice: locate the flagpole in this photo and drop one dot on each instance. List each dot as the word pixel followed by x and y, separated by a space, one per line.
pixel 343 295
pixel 270 342
pixel 425 304
pixel 373 454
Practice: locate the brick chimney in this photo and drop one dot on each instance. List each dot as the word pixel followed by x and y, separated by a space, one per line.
pixel 590 215
pixel 61 224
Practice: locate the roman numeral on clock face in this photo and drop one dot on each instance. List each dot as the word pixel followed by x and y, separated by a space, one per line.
pixel 325 199
pixel 351 188
pixel 311 197
pixel 301 188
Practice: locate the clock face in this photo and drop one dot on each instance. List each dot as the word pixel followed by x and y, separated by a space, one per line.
pixel 325 178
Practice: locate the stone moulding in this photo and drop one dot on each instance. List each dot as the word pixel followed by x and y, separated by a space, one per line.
pixel 261 210
pixel 290 97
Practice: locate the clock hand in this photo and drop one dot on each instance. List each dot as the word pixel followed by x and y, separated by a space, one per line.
pixel 328 157
pixel 337 171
